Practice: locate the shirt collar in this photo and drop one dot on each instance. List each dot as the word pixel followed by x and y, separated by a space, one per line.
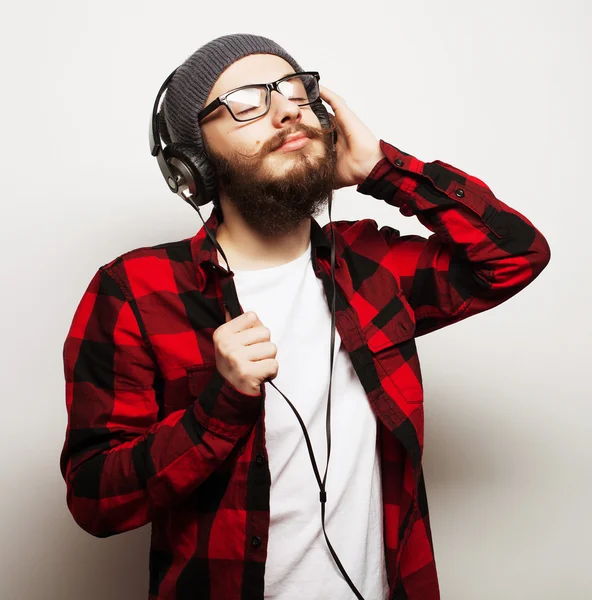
pixel 205 254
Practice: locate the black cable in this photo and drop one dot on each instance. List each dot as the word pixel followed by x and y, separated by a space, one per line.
pixel 322 484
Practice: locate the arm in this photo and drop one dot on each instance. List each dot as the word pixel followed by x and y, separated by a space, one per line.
pixel 120 464
pixel 482 251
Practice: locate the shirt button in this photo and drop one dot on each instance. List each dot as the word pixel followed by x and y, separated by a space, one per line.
pixel 399 162
pixel 459 193
pixel 260 460
pixel 256 541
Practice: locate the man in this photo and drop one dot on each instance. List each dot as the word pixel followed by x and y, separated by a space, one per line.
pixel 168 418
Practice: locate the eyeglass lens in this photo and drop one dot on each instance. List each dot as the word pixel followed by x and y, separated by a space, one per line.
pixel 251 102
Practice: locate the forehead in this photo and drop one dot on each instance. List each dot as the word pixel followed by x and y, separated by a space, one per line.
pixel 255 68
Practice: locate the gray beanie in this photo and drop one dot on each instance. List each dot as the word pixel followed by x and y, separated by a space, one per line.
pixel 189 87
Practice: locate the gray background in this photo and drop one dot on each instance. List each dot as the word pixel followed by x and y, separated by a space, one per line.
pixel 499 89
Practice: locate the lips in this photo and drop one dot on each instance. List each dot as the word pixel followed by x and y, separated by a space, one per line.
pixel 293 137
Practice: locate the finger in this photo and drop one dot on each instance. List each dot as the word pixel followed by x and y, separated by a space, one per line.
pixel 343 113
pixel 244 321
pixel 335 101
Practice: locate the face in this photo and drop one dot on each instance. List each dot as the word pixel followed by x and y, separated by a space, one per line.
pixel 274 189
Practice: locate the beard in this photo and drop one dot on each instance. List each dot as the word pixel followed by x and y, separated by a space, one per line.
pixel 274 204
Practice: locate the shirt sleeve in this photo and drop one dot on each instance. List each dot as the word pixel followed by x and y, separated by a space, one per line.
pixel 481 253
pixel 121 464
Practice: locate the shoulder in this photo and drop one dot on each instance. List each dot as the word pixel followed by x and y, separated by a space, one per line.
pixel 149 267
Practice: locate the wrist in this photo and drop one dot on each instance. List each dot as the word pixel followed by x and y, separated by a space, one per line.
pixel 370 164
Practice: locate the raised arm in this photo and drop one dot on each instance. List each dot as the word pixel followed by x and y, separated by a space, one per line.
pixel 481 253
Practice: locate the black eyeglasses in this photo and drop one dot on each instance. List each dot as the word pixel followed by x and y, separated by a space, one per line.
pixel 250 102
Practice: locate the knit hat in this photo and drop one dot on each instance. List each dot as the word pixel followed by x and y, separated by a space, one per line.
pixel 192 82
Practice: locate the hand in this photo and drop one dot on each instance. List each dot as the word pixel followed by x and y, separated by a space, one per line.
pixel 358 150
pixel 244 355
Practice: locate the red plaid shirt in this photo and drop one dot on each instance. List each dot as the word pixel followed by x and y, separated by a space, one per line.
pixel 156 434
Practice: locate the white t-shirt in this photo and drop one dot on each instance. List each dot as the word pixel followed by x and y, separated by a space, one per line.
pixel 290 301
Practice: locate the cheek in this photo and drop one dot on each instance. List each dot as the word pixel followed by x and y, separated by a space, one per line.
pixel 310 118
pixel 248 141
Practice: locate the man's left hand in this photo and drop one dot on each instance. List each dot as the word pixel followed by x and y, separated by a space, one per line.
pixel 358 150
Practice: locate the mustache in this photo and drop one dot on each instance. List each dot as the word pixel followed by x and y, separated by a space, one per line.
pixel 273 144
pixel 312 132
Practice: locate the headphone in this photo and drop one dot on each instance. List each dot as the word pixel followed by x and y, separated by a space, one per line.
pixel 189 174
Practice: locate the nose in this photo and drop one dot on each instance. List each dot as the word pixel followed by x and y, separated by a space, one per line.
pixel 281 107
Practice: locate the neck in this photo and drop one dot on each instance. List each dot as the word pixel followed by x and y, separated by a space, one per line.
pixel 246 249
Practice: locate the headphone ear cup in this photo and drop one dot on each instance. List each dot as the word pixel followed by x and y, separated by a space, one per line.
pixel 196 170
pixel 323 115
pixel 321 112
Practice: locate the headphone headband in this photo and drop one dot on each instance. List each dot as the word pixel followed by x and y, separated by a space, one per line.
pixel 154 135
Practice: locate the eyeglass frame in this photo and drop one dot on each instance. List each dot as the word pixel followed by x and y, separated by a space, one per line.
pixel 270 87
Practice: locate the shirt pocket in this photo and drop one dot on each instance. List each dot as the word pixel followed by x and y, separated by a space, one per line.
pixel 182 391
pixel 198 376
pixel 391 340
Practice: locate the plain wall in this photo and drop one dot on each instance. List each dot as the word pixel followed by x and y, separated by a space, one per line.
pixel 500 90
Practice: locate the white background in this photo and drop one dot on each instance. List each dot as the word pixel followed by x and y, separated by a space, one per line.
pixel 499 89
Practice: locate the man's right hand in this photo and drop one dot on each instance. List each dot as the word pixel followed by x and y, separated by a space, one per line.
pixel 244 355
